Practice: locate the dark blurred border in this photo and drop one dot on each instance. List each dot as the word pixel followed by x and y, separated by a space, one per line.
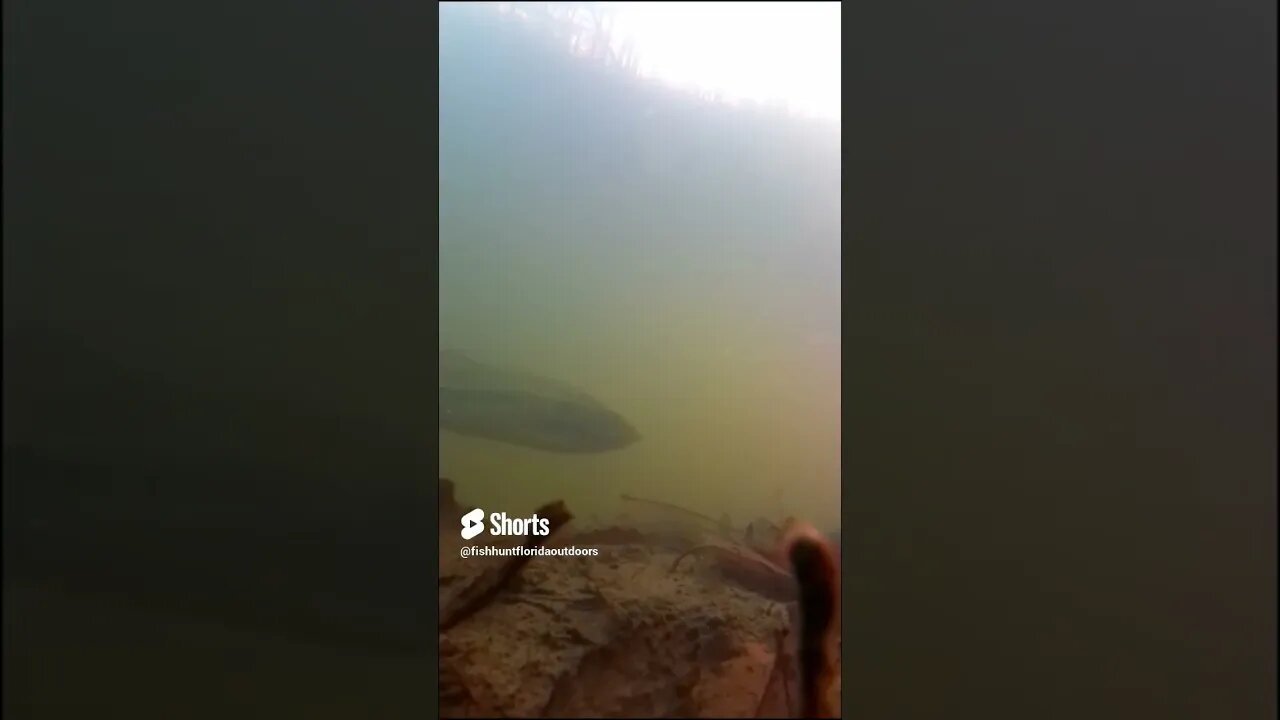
pixel 1059 328
pixel 219 340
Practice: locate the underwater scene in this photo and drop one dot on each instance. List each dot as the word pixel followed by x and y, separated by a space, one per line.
pixel 639 368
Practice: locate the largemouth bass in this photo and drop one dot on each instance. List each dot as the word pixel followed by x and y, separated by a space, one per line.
pixel 520 409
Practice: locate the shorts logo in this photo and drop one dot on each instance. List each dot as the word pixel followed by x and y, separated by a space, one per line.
pixel 472 524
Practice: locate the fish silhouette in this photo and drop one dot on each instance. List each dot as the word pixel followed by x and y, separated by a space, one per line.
pixel 517 408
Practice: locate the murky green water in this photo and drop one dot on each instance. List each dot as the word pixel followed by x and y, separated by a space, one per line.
pixel 676 259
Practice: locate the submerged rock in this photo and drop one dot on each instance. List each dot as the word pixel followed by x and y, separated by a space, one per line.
pixel 617 635
pixel 629 632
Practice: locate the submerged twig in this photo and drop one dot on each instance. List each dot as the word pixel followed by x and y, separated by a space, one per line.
pixel 749 569
pixel 698 550
pixel 487 587
pixel 747 556
pixel 780 673
pixel 677 508
pixel 785 661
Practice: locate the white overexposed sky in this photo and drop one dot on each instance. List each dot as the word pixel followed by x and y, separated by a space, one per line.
pixel 764 51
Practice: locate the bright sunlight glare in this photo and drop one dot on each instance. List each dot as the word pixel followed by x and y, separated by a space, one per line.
pixel 784 53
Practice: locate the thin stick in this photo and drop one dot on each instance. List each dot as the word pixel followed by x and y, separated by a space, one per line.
pixel 669 506
pixel 747 556
pixel 779 673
